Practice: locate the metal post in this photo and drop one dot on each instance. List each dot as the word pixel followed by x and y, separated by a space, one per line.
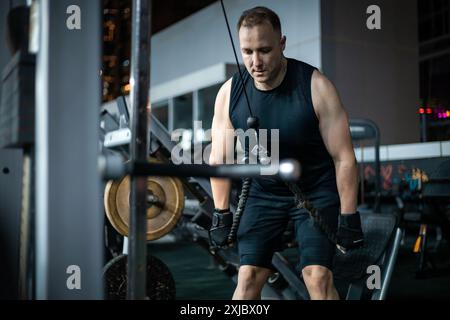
pixel 69 218
pixel 140 93
pixel 377 168
pixel 171 112
pixel 369 130
pixel 10 191
pixel 195 114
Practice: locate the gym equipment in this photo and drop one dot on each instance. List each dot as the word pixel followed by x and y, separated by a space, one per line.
pixel 160 284
pixel 431 198
pixel 165 198
pixel 17 126
pixel 362 130
pixel 17 103
pixel 382 229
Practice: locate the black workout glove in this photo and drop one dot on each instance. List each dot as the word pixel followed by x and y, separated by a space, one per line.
pixel 220 227
pixel 349 235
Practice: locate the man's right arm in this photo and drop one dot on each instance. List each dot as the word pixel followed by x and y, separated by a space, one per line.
pixel 222 142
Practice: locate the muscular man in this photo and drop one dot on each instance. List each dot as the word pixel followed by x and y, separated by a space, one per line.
pixel 299 101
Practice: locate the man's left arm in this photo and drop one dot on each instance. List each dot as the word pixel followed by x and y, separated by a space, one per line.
pixel 334 128
pixel 333 125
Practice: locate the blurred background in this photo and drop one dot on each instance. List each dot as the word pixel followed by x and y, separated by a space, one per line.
pixel 391 75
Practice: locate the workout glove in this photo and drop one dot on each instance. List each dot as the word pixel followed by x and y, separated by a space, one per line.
pixel 349 235
pixel 220 227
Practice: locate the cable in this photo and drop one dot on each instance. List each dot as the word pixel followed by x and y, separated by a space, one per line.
pixel 237 60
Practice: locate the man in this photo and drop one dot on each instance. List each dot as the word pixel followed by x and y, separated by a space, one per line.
pixel 300 102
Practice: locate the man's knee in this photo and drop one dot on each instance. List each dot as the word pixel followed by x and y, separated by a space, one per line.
pixel 317 277
pixel 252 277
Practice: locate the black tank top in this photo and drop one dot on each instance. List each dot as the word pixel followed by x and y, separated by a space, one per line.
pixel 289 108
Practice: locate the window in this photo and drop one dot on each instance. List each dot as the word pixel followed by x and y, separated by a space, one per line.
pixel 161 111
pixel 182 112
pixel 206 99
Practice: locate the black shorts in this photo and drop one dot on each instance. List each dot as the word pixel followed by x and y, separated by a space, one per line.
pixel 264 221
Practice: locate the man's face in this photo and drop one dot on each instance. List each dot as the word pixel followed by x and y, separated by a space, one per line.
pixel 262 51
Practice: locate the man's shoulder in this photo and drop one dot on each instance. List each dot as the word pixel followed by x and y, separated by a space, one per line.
pixel 222 100
pixel 321 83
pixel 225 88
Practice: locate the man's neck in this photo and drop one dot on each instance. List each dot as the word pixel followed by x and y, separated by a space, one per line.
pixel 277 80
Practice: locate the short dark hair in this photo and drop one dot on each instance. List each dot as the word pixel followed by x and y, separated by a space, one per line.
pixel 257 16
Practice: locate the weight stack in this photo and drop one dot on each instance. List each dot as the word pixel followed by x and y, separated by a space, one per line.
pixel 17 107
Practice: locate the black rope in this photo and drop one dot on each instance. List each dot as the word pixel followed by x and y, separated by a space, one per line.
pixel 302 202
pixel 240 209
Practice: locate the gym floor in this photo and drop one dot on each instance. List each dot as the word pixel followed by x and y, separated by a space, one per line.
pixel 196 277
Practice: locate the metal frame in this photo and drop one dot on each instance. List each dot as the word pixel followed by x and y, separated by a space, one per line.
pixel 171 110
pixel 69 219
pixel 364 129
pixel 140 98
pixel 391 256
pixel 195 113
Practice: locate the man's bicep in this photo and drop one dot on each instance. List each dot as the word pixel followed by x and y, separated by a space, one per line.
pixel 221 126
pixel 336 135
